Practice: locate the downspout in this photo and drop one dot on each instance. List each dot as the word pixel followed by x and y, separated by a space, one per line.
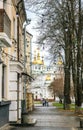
pixel 18 57
pixel 24 93
pixel 30 57
pixel 17 61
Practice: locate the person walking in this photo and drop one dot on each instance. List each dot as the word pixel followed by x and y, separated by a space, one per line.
pixel 47 102
pixel 43 102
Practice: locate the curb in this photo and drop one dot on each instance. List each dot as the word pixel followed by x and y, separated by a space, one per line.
pixel 30 122
pixel 6 127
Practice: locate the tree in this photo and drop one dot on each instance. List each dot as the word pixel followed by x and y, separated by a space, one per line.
pixel 61 29
pixel 58 87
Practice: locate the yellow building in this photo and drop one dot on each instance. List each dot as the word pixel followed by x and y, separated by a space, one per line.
pixel 16 92
pixel 11 59
pixel 5 42
pixel 29 95
pixel 28 52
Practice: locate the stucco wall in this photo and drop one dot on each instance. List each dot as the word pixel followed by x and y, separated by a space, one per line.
pixel 4 113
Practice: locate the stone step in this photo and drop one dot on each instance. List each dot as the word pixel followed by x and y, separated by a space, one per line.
pixel 81 122
pixel 26 122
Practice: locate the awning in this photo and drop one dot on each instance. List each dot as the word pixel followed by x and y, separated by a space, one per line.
pixel 26 74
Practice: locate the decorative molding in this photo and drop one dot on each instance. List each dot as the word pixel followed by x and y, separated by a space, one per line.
pixel 16 66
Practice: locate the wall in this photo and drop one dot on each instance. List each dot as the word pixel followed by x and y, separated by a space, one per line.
pixel 4 113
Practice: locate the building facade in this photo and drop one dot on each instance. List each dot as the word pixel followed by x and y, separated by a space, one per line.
pixel 5 43
pixel 12 17
pixel 16 62
pixel 29 94
pixel 43 76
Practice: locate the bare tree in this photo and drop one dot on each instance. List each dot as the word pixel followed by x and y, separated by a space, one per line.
pixel 60 28
pixel 58 88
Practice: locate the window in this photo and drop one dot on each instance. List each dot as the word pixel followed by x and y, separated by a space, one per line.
pixel 39 67
pixel 4 4
pixel 35 67
pixel 3 81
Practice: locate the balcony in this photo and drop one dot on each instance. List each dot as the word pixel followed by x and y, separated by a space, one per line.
pixel 5 29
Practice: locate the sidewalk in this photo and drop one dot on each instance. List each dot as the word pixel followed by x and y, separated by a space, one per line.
pixel 6 127
pixel 49 118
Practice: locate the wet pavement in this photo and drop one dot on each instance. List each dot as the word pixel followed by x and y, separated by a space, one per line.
pixel 49 118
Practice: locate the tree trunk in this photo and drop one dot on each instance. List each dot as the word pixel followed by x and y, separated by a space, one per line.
pixel 67 100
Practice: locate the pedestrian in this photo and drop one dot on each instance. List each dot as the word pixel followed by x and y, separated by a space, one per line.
pixel 47 102
pixel 43 102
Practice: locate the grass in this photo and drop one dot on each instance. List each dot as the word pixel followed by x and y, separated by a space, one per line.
pixel 60 106
pixel 37 102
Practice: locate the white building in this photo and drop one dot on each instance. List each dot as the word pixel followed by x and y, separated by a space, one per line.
pixel 43 75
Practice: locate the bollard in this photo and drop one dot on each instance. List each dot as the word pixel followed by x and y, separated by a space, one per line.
pixel 81 122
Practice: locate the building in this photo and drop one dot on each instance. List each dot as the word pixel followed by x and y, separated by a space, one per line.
pixel 5 42
pixel 17 61
pixel 12 18
pixel 29 78
pixel 43 76
pixel 28 51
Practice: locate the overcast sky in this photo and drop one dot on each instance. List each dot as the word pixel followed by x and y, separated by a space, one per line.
pixel 30 28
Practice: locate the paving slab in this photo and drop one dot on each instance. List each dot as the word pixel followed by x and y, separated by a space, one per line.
pixel 49 118
pixel 43 128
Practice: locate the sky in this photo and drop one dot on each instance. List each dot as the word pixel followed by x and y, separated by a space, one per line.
pixel 32 25
pixel 31 29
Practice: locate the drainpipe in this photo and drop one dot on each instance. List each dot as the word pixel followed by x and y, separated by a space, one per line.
pixel 24 92
pixel 17 61
pixel 24 83
pixel 17 14
pixel 25 25
pixel 30 57
pixel 17 35
pixel 25 44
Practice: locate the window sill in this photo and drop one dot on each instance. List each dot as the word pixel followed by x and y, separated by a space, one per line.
pixel 2 103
